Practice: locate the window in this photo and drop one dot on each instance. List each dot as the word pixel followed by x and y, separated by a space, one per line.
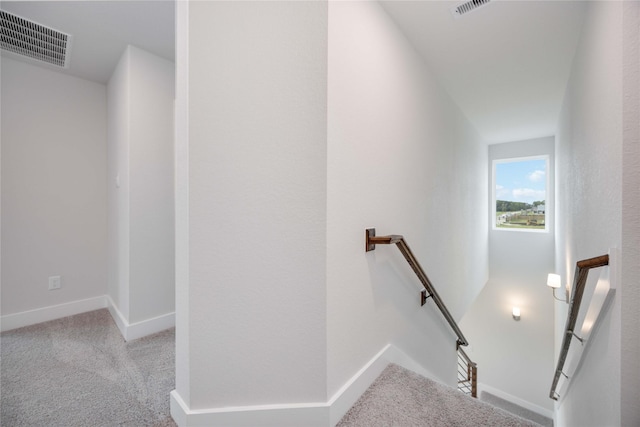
pixel 519 193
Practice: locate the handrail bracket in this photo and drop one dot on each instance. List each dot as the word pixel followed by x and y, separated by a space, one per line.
pixel 372 240
pixel 424 297
pixel 577 337
pixel 369 245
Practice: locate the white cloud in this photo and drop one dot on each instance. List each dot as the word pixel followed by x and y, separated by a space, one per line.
pixel 536 176
pixel 528 194
pixel 501 192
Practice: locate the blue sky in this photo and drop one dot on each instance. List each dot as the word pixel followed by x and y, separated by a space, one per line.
pixel 521 181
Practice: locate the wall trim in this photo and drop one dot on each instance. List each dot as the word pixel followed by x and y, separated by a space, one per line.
pixel 296 414
pixel 45 314
pixel 291 415
pixel 518 401
pixel 351 391
pixel 133 331
pixel 118 317
pixel 129 331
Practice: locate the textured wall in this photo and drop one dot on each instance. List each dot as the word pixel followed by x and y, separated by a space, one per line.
pixel 257 204
pixel 402 159
pixel 279 291
pixel 590 185
pixel 54 199
pixel 630 393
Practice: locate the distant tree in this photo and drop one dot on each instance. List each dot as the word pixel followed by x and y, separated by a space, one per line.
pixel 507 206
pixel 541 202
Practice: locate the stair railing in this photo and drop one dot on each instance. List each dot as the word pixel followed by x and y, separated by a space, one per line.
pixel 371 240
pixel 467 374
pixel 579 284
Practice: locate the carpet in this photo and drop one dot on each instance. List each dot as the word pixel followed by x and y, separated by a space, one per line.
pixel 400 397
pixel 516 409
pixel 79 371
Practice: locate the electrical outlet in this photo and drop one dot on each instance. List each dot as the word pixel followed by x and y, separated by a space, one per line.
pixel 54 282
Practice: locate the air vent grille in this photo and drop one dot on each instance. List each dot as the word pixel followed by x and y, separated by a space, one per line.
pixel 467 7
pixel 27 38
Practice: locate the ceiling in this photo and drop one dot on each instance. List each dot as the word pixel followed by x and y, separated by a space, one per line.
pixel 102 29
pixel 505 64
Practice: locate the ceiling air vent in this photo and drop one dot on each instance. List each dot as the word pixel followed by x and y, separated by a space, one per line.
pixel 469 6
pixel 27 38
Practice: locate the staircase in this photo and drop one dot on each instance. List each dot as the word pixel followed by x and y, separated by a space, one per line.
pixel 400 397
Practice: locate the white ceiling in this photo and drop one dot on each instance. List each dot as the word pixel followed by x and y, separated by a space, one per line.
pixel 505 64
pixel 102 29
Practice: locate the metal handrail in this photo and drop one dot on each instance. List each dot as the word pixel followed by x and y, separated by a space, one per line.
pixel 579 284
pixel 466 357
pixel 372 240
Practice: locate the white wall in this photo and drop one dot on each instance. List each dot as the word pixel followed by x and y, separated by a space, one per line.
pixel 118 184
pixel 519 263
pixel 141 279
pixel 181 152
pixel 54 200
pixel 277 301
pixel 590 212
pixel 630 271
pixel 151 184
pixel 402 159
pixel 254 315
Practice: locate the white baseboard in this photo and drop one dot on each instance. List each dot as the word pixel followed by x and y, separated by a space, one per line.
pixel 513 399
pixel 292 415
pixel 129 331
pixel 45 314
pixel 323 414
pixel 117 317
pixel 133 331
pixel 351 391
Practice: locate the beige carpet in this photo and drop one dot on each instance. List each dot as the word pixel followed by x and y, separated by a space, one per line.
pixel 516 409
pixel 78 371
pixel 400 397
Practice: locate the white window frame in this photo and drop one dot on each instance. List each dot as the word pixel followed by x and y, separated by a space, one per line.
pixel 547 202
